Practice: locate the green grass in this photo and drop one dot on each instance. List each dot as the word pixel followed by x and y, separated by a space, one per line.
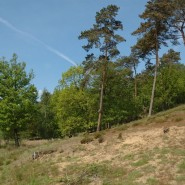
pixel 160 119
pixel 123 127
pixel 163 152
pixel 148 169
pixel 143 159
pixel 72 159
pixel 35 173
pixel 132 177
pixel 178 152
pixel 140 162
pixel 178 119
pixel 181 167
pixel 18 168
pixel 180 179
pixel 109 174
pixel 129 157
pixel 152 181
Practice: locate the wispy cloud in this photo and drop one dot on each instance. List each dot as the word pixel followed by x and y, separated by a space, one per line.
pixel 49 48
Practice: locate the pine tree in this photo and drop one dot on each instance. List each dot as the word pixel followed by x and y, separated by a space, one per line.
pixel 103 37
pixel 176 17
pixel 155 33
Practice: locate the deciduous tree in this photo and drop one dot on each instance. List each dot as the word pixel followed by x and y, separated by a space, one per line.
pixel 17 97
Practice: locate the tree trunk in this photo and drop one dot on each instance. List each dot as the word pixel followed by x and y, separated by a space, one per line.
pixel 101 107
pixel 100 112
pixel 16 138
pixel 155 78
pixel 183 36
pixel 135 83
pixel 153 91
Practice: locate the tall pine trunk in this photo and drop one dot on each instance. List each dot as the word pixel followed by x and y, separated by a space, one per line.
pixel 155 78
pixel 101 107
pixel 100 112
pixel 153 91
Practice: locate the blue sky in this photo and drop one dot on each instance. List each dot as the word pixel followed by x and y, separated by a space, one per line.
pixel 44 32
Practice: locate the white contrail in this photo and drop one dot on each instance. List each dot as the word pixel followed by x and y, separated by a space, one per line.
pixel 56 52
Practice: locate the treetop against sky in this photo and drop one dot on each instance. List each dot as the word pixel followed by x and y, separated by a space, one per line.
pixel 44 34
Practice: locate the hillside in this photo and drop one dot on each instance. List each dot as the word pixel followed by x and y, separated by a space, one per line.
pixel 137 153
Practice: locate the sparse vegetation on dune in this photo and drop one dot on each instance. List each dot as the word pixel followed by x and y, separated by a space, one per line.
pixel 55 142
pixel 138 153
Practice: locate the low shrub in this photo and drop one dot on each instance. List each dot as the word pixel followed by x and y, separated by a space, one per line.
pixel 97 135
pixel 101 139
pixel 120 136
pixel 86 140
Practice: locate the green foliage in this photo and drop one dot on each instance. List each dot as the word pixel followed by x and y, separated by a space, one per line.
pixel 170 58
pixel 18 98
pixel 155 33
pixel 170 87
pixel 104 85
pixel 103 37
pixel 175 18
pixel 45 125
pixel 73 110
pixel 121 94
pixel 121 105
pixel 75 107
pixel 72 77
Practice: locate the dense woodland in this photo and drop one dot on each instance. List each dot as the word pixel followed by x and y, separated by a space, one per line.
pixel 106 89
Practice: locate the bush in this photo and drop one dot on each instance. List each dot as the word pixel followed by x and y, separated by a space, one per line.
pixel 120 136
pixel 101 139
pixel 86 140
pixel 97 135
